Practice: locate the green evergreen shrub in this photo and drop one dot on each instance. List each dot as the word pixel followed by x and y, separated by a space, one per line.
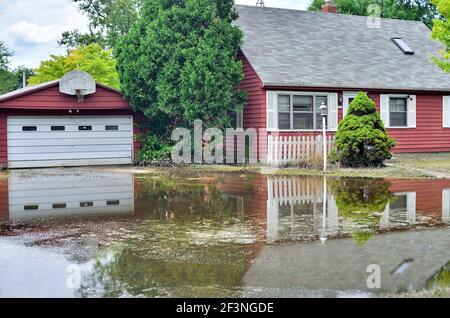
pixel 361 139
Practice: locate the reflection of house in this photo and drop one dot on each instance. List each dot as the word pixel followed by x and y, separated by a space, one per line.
pixel 59 194
pixel 296 209
pixel 292 207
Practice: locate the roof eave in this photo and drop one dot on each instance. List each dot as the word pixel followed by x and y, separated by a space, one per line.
pixel 274 85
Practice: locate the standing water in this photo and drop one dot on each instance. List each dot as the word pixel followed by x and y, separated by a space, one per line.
pixel 83 233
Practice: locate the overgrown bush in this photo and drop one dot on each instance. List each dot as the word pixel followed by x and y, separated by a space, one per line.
pixel 362 140
pixel 153 149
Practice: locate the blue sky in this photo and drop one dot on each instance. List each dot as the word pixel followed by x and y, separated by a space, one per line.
pixel 31 28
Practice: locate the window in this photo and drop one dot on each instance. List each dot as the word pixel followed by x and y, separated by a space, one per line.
pixel 59 206
pixel 31 207
pixel 29 128
pixel 86 204
pixel 111 127
pixel 400 203
pixel 284 112
pixel 237 119
pixel 84 128
pixel 58 128
pixel 403 46
pixel 112 202
pixel 347 99
pixel 304 113
pixel 398 112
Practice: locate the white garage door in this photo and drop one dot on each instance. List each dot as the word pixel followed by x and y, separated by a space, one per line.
pixel 69 141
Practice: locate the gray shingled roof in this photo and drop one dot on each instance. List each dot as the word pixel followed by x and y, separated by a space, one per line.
pixel 315 49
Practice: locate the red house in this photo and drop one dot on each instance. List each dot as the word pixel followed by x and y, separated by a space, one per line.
pixel 296 60
pixel 69 122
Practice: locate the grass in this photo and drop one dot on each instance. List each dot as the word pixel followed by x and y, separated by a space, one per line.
pixel 385 172
pixel 403 166
pixel 425 293
pixel 434 162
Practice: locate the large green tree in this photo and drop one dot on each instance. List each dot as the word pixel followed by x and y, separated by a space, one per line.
pixel 93 59
pixel 415 10
pixel 441 32
pixel 178 63
pixel 108 21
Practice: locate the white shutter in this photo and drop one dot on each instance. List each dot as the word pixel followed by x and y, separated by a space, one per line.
pixel 384 221
pixel 412 111
pixel 446 205
pixel 240 119
pixel 384 109
pixel 446 111
pixel 271 111
pixel 411 207
pixel 333 112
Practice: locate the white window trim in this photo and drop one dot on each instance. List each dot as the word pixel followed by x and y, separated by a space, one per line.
pixel 411 213
pixel 297 93
pixel 446 205
pixel 345 101
pixel 407 111
pixel 444 98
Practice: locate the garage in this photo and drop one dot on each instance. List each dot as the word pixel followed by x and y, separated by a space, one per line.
pixel 69 141
pixel 70 122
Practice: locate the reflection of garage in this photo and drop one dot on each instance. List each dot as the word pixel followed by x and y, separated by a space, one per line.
pixel 45 126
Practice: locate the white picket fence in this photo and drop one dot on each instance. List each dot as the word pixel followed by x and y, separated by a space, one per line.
pixel 284 150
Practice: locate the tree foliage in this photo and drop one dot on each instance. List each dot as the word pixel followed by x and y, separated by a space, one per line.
pixel 108 21
pixel 441 32
pixel 11 80
pixel 74 39
pixel 92 59
pixel 178 63
pixel 415 10
pixel 362 139
pixel 360 201
pixel 5 54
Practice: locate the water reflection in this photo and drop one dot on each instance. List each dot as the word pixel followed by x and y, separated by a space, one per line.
pixel 224 234
pixel 56 194
pixel 302 208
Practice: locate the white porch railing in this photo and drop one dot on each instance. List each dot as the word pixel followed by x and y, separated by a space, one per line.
pixel 295 149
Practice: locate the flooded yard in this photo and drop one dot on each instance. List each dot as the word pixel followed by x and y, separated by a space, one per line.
pixel 83 233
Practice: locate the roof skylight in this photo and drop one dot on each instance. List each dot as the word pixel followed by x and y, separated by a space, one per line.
pixel 403 46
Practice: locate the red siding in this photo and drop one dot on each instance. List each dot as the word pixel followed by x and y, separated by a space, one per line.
pixel 255 109
pixel 51 98
pixel 429 135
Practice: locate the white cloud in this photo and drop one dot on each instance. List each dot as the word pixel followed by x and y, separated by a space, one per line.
pixel 34 33
pixel 31 28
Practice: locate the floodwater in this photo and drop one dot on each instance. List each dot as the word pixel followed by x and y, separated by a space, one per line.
pixel 97 233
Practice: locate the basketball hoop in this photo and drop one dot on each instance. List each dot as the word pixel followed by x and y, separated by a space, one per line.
pixel 80 95
pixel 77 83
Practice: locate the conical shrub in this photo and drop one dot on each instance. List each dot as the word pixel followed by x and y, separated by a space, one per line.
pixel 362 139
